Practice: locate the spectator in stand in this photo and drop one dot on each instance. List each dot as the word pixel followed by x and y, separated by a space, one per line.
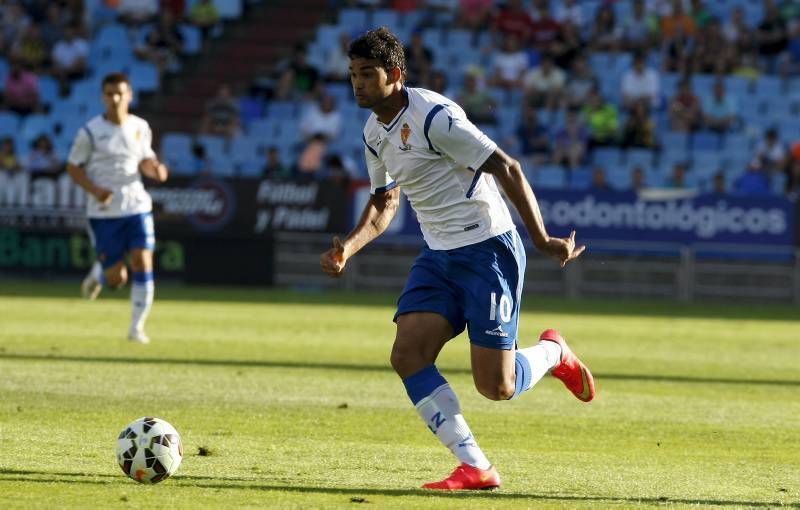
pixel 602 118
pixel 311 159
pixel 571 142
pixel 478 104
pixel 337 63
pixel 568 11
pixel 544 85
pixel 439 84
pixel 639 130
pixel 509 64
pixel 175 7
pixel 737 32
pixel 70 56
pixel 771 155
pixel 21 91
pixel 534 140
pixel 753 182
pixel 713 54
pixel 720 111
pixel 604 35
pixel 298 79
pixel 419 61
pixel 321 118
pixel 30 49
pixel 637 179
pixel 274 168
pixel 567 46
pixel 222 114
pixel 599 181
pixel 42 158
pixel 793 181
pixel 13 22
pixel 641 83
pixel 772 36
pixel 684 109
pixel 8 155
pixel 205 16
pixel 137 12
pixel 54 25
pixel 474 15
pixel 163 44
pixel 545 30
pixel 201 164
pixel 336 172
pixel 678 178
pixel 794 49
pixel 678 32
pixel 512 20
pixel 638 31
pixel 700 14
pixel 581 81
pixel 718 185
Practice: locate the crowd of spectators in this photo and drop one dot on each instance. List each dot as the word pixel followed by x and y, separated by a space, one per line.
pixel 539 53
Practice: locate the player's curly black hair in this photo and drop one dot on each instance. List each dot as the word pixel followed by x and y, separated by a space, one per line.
pixel 382 45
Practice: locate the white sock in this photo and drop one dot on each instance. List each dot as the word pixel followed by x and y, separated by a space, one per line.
pixel 442 413
pixel 141 301
pixel 97 272
pixel 542 357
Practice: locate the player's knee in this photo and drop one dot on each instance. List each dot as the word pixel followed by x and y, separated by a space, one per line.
pixel 502 390
pixel 406 361
pixel 116 279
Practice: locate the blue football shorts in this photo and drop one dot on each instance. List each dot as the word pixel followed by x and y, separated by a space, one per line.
pixel 114 237
pixel 477 286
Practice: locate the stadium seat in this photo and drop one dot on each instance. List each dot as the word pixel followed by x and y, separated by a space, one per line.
pixel 639 157
pixel 176 144
pixel 48 90
pixel 705 141
pixel 245 148
pixel 214 146
pixel 352 19
pixel 9 123
pixel 550 176
pixel 144 77
pixel 282 110
pixel 192 39
pixel 229 9
pixel 607 157
pixel 36 124
pixel 250 168
pixel 222 166
pixel 580 179
pixel 112 36
pixel 383 17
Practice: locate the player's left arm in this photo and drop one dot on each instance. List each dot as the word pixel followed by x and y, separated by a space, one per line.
pixel 508 173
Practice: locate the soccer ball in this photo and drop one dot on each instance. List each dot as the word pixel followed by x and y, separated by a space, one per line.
pixel 149 450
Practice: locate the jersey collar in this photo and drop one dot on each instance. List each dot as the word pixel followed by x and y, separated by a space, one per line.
pixel 396 119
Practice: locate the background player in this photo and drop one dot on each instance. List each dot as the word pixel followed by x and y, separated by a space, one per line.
pixel 471 272
pixel 106 160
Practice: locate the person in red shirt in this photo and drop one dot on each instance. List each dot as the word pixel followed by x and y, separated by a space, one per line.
pixel 21 90
pixel 545 30
pixel 514 20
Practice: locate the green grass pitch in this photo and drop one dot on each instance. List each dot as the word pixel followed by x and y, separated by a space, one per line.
pixel 293 396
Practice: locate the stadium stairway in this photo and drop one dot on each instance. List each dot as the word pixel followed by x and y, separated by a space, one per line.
pixel 266 33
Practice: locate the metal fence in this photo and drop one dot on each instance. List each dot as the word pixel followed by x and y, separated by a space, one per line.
pixel 629 269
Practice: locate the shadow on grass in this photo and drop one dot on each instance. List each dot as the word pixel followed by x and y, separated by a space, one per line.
pixel 368 368
pixel 14 475
pixel 632 306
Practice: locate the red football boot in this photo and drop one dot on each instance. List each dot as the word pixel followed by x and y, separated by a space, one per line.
pixel 466 477
pixel 574 374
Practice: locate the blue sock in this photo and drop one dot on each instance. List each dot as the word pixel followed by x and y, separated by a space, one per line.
pixel 523 379
pixel 422 384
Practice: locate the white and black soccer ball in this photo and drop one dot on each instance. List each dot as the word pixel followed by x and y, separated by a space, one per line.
pixel 149 450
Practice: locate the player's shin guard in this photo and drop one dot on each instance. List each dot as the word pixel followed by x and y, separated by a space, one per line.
pixel 439 408
pixel 142 292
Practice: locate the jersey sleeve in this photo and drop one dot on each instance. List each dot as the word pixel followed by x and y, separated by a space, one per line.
pixel 449 132
pixel 147 143
pixel 379 179
pixel 81 148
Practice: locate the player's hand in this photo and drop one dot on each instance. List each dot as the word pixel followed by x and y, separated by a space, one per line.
pixel 333 260
pixel 103 195
pixel 563 249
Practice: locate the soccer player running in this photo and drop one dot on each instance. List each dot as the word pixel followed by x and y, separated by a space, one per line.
pixel 106 160
pixel 470 274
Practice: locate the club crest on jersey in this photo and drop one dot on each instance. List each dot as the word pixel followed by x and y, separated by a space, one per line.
pixel 405 132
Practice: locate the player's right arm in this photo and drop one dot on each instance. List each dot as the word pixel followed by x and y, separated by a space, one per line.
pixel 374 220
pixel 76 161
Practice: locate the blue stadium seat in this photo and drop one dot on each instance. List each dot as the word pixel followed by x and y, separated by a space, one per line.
pixel 580 179
pixel 777 184
pixel 607 157
pixel 550 176
pixel 36 124
pixel 229 9
pixel 250 168
pixel 214 146
pixel 768 86
pixel 48 90
pixel 383 17
pixel 282 110
pixel 352 19
pixel 250 109
pixel 3 70
pixel 618 177
pixel 68 125
pixel 180 165
pixel 192 39
pixel 144 77
pixel 9 123
pixel 705 161
pixel 705 141
pixel 245 148
pixel 639 157
pixel 113 35
pixel 674 141
pixel 176 144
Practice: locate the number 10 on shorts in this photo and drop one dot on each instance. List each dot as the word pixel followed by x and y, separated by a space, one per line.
pixel 505 308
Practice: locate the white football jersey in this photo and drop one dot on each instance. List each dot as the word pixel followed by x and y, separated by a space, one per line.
pixel 111 154
pixel 432 151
